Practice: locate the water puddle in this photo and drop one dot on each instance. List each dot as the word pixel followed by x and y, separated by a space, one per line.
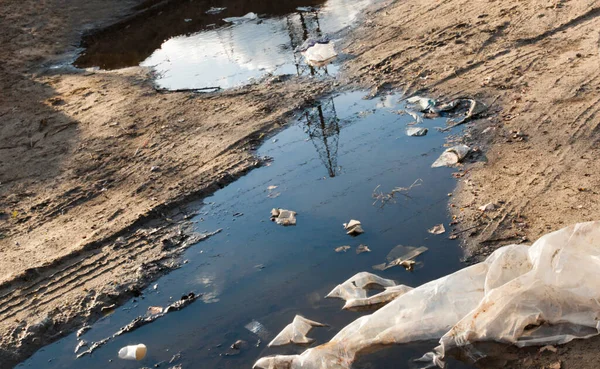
pixel 256 273
pixel 189 49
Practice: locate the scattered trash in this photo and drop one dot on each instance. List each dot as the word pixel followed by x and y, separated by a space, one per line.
pixel 451 156
pixel 544 294
pixel 272 194
pixel 342 249
pixel 238 20
pixel 487 207
pixel 548 348
pixel 271 188
pixel 362 248
pixel 416 131
pixel 437 229
pixel 214 10
pixel 320 53
pixel 296 332
pixel 133 352
pixel 424 104
pixel 354 291
pixel 283 217
pixel 260 266
pixel 353 227
pixel 258 329
pixel 187 20
pixel 402 256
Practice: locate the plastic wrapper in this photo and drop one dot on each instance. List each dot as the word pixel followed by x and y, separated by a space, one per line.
pixel 545 294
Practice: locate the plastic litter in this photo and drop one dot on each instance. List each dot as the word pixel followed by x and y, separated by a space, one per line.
pixel 215 10
pixel 416 131
pixel 283 217
pixel 258 329
pixel 402 256
pixel 320 53
pixel 353 227
pixel 342 249
pixel 544 294
pixel 452 156
pixel 357 286
pixel 423 104
pixel 238 20
pixel 362 248
pixel 133 352
pixel 437 229
pixel 296 332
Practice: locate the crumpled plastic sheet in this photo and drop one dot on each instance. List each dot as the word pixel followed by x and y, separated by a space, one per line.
pixel 548 293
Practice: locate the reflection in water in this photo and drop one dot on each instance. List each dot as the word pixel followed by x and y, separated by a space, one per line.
pixel 322 126
pixel 205 51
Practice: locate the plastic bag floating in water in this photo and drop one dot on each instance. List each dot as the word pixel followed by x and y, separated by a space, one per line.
pixel 545 294
pixel 296 332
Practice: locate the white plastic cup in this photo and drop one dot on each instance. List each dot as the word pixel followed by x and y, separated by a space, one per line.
pixel 133 352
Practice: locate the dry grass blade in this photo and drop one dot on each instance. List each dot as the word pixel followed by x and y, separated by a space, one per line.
pixel 386 197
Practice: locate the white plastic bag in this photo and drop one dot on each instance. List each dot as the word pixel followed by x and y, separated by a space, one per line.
pixel 548 293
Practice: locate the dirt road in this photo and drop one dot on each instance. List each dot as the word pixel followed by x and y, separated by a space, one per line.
pixel 94 164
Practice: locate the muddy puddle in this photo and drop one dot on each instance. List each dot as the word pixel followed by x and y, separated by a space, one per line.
pixel 325 167
pixel 189 48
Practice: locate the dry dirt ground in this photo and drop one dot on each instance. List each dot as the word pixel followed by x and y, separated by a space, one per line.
pixel 94 165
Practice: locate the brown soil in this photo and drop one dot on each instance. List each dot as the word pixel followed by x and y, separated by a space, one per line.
pixel 94 164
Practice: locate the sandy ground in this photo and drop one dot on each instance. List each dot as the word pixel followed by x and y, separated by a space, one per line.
pixel 94 165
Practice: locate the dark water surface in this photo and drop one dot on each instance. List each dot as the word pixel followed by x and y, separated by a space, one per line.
pixel 188 48
pixel 325 166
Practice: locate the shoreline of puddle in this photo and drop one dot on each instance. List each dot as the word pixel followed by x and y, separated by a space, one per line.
pixel 326 165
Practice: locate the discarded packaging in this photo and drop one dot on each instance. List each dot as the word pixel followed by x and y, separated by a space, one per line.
pixel 451 156
pixel 133 352
pixel 296 332
pixel 437 229
pixel 416 131
pixel 362 248
pixel 402 256
pixel 544 294
pixel 238 20
pixel 320 53
pixel 353 227
pixel 283 217
pixel 342 249
pixel 258 329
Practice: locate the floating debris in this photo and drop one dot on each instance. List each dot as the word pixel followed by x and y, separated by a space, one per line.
pixel 320 53
pixel 437 229
pixel 296 332
pixel 283 217
pixel 154 310
pixel 401 256
pixel 362 248
pixel 342 249
pixel 424 104
pixel 258 329
pixel 416 131
pixel 353 227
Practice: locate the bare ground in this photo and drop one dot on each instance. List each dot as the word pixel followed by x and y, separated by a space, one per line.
pixel 94 164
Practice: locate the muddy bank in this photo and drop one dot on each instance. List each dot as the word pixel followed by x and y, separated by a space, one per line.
pixel 88 157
